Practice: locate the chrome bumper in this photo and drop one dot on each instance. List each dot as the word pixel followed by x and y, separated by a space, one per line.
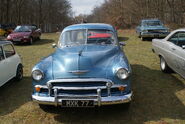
pixel 56 98
pixel 110 100
pixel 154 35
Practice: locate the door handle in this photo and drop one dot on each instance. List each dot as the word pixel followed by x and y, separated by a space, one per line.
pixel 173 49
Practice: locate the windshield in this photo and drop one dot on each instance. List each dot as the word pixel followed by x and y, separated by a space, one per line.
pixel 81 37
pixel 152 23
pixel 23 29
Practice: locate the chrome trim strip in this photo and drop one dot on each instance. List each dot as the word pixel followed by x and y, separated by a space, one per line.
pixel 80 80
pixel 79 71
pixel 80 88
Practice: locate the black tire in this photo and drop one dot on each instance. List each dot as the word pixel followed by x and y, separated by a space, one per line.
pixel 5 35
pixel 143 38
pixel 139 35
pixel 31 41
pixel 38 38
pixel 19 73
pixel 164 66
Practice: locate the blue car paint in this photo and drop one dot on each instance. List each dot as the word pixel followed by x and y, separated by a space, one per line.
pixel 102 61
pixel 141 28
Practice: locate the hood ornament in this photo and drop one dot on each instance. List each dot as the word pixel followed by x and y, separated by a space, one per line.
pixel 79 72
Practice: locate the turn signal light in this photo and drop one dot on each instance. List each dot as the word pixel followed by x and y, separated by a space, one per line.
pixel 121 88
pixel 37 89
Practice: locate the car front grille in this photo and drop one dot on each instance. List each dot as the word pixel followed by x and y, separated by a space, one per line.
pixel 81 89
pixel 156 31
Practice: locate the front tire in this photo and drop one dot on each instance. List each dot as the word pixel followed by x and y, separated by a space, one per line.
pixel 164 66
pixel 19 73
pixel 31 41
pixel 143 38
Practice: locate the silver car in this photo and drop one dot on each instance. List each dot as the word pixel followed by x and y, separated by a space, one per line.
pixel 171 51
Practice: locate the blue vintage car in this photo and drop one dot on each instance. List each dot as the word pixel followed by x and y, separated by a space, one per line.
pixel 151 28
pixel 87 69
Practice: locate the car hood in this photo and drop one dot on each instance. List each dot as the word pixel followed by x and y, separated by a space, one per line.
pixel 85 61
pixel 19 34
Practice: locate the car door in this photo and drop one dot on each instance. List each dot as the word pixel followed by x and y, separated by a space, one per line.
pixel 179 53
pixel 169 47
pixel 3 65
pixel 11 60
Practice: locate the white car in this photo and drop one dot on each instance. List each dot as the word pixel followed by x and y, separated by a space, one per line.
pixel 171 51
pixel 10 63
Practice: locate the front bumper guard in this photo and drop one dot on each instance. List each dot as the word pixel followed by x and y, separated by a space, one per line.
pixel 99 101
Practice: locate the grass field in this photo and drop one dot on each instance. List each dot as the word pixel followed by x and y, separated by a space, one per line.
pixel 158 98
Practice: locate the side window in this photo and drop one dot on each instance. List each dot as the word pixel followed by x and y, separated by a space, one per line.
pixel 181 41
pixel 1 54
pixel 9 50
pixel 174 38
pixel 33 28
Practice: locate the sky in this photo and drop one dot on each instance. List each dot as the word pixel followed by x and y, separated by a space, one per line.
pixel 84 6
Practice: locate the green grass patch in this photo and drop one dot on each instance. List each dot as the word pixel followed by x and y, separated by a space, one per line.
pixel 158 98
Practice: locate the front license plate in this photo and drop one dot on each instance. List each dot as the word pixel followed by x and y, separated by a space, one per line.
pixel 77 103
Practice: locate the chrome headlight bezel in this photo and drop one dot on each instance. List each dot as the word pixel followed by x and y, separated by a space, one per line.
pixel 122 73
pixel 37 75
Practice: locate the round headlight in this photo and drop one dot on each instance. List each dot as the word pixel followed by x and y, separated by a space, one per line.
pixel 122 74
pixel 37 75
pixel 9 37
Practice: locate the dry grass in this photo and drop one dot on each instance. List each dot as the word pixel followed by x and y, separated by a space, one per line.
pixel 158 98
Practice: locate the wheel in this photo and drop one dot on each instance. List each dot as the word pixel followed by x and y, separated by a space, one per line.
pixel 38 38
pixel 143 38
pixel 5 35
pixel 139 35
pixel 163 65
pixel 19 73
pixel 31 41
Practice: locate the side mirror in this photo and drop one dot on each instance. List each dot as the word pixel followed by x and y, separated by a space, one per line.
pixel 183 46
pixel 54 45
pixel 39 30
pixel 122 44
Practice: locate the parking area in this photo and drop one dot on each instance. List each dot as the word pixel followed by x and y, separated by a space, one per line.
pixel 158 98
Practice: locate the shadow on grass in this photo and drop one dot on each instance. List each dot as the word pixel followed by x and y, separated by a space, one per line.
pixel 37 42
pixel 14 94
pixel 154 99
pixel 43 41
pixel 150 39
pixel 123 38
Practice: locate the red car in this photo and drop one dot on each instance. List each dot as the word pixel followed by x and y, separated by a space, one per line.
pixel 25 34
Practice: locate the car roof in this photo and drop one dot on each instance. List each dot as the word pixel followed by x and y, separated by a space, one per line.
pixel 5 42
pixel 89 26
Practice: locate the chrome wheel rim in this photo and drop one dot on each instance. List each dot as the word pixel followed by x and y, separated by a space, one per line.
pixel 163 64
pixel 20 73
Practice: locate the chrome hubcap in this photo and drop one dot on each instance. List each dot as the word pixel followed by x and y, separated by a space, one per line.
pixel 163 64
